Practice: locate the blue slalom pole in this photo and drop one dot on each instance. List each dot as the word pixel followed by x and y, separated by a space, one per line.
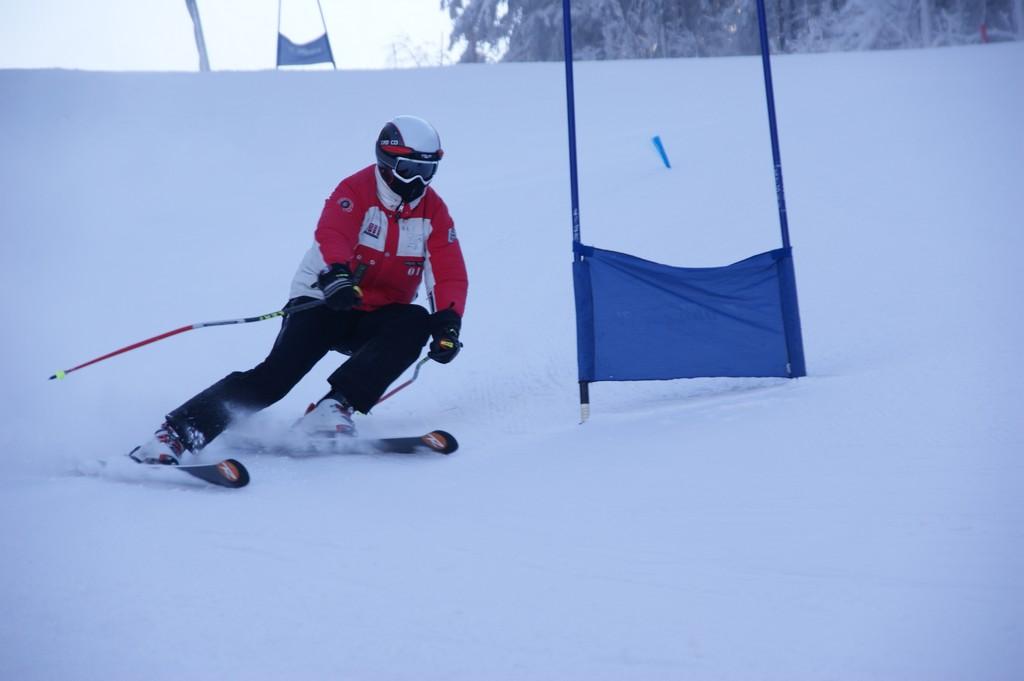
pixel 770 95
pixel 660 148
pixel 570 107
pixel 791 308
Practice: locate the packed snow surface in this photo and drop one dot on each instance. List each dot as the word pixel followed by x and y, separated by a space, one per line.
pixel 864 522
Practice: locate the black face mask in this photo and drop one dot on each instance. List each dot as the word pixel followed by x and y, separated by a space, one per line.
pixel 409 191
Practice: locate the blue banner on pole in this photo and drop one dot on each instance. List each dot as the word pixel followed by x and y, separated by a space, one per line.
pixel 315 52
pixel 639 320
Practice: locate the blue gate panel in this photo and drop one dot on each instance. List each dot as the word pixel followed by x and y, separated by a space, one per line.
pixel 640 320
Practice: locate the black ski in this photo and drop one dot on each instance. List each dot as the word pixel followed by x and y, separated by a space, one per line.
pixel 439 441
pixel 226 473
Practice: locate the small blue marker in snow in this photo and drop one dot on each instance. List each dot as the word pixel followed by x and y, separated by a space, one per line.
pixel 661 150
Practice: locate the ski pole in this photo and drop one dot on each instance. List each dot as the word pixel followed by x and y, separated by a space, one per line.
pixel 415 374
pixel 280 313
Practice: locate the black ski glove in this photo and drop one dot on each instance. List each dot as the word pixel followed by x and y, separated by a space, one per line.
pixel 339 288
pixel 444 327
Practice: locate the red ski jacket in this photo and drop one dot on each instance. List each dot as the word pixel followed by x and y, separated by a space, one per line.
pixel 365 225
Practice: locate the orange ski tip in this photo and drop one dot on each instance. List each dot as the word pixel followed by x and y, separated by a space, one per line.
pixel 229 471
pixel 435 440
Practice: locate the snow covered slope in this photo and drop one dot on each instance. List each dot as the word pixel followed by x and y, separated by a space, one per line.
pixel 862 523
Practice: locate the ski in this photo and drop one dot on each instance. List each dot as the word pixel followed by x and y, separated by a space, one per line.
pixel 227 473
pixel 439 441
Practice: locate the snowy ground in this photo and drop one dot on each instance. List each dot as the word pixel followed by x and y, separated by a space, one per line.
pixel 862 523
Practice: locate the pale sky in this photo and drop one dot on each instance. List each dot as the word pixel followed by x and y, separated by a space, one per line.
pixel 240 34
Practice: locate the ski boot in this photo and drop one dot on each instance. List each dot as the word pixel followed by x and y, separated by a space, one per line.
pixel 165 447
pixel 327 420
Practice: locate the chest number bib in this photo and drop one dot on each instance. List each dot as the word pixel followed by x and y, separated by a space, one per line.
pixel 411 238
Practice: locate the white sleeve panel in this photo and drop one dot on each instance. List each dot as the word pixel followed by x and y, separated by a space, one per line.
pixel 428 271
pixel 310 266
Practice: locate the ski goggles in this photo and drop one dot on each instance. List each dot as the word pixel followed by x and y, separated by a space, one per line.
pixel 407 170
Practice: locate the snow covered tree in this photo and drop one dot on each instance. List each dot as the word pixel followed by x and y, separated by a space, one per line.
pixel 531 30
pixel 479 24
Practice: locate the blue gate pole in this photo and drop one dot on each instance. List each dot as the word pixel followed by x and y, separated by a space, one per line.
pixel 277 64
pixel 770 94
pixel 791 309
pixel 570 107
pixel 327 38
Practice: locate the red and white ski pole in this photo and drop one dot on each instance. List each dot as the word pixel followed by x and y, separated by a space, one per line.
pixel 202 325
pixel 357 277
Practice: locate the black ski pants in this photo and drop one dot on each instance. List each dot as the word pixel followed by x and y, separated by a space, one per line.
pixel 382 344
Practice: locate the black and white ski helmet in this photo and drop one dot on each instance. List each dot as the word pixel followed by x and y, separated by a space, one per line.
pixel 408 153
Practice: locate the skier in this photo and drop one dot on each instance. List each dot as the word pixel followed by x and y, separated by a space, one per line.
pixel 382 231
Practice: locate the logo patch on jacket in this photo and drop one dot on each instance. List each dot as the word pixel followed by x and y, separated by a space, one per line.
pixel 452 238
pixel 373 233
pixel 345 204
